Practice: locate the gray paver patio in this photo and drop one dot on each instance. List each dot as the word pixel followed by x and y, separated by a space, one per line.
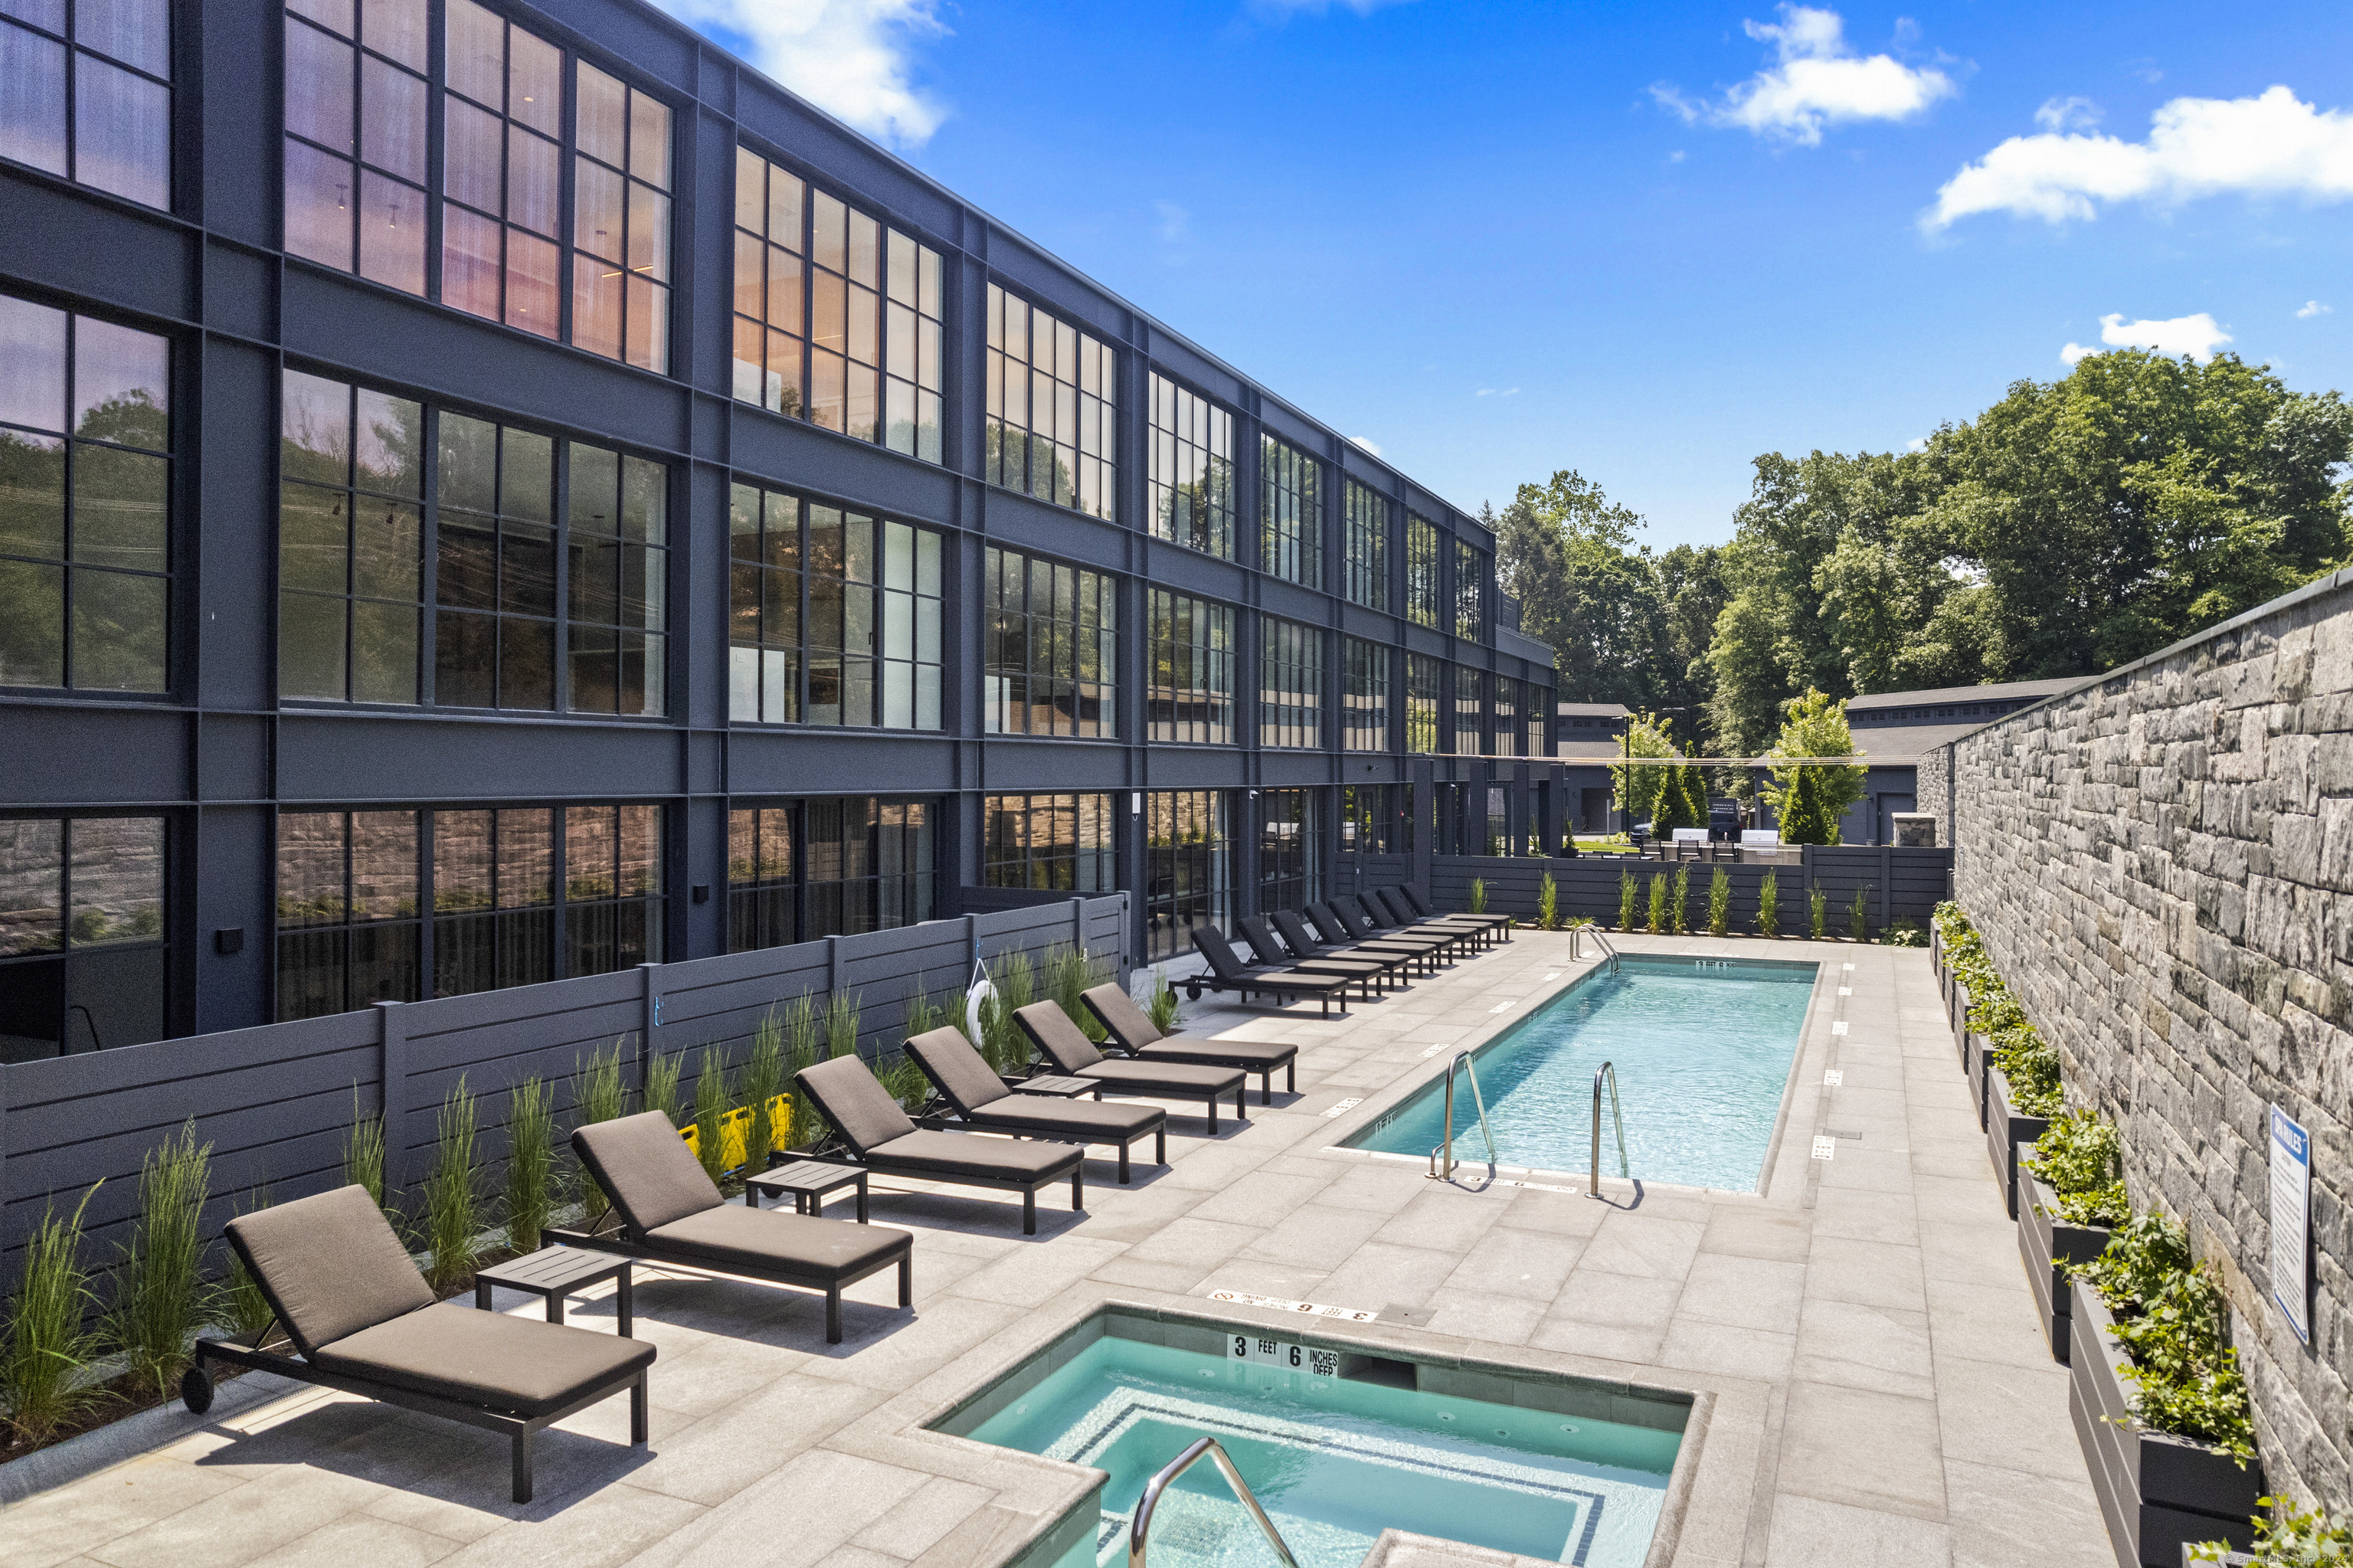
pixel 1875 1389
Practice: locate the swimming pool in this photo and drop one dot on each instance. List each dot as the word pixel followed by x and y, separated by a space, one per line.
pixel 1702 1049
pixel 1337 1451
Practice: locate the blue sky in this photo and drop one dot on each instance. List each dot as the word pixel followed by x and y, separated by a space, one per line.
pixel 1646 243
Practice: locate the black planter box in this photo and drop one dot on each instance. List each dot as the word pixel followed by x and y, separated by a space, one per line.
pixel 2005 1130
pixel 2044 1233
pixel 1977 1065
pixel 2157 1493
pixel 1959 1016
pixel 2229 1558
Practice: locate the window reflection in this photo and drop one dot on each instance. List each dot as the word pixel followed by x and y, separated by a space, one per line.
pixel 1189 693
pixel 1051 395
pixel 1365 697
pixel 114 63
pixel 1192 470
pixel 1365 537
pixel 1061 843
pixel 1290 534
pixel 355 107
pixel 1051 654
pixel 83 934
pixel 1291 685
pixel 801 870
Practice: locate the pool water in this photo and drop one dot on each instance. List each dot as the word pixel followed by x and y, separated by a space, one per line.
pixel 1335 1461
pixel 1700 1050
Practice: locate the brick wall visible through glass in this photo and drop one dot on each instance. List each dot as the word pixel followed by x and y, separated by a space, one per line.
pixel 1050 648
pixel 85 502
pixel 88 93
pixel 84 934
pixel 498 891
pixel 1189 678
pixel 1291 513
pixel 1192 470
pixel 350 910
pixel 1365 695
pixel 1365 537
pixel 1188 869
pixel 1052 408
pixel 838 317
pixel 801 870
pixel 1291 684
pixel 1061 843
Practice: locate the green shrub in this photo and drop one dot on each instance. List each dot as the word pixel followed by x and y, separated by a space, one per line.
pixel 1478 895
pixel 1679 900
pixel 1162 1008
pixel 1657 925
pixel 531 1164
pixel 2290 1538
pixel 1629 893
pixel 363 1151
pixel 763 1081
pixel 453 1200
pixel 2170 1318
pixel 2031 1065
pixel 161 1297
pixel 713 1099
pixel 49 1346
pixel 1818 909
pixel 2077 1156
pixel 1547 903
pixel 1858 915
pixel 1768 895
pixel 1719 903
pixel 1906 934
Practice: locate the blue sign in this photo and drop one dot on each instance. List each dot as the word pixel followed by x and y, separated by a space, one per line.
pixel 2291 1221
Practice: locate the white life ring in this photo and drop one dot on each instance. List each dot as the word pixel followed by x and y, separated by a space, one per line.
pixel 981 992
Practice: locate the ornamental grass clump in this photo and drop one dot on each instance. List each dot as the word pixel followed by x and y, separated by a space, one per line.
pixel 2170 1322
pixel 1478 895
pixel 1817 912
pixel 1719 903
pixel 1628 895
pixel 2079 1159
pixel 1067 973
pixel 763 1081
pixel 660 1092
pixel 841 1025
pixel 1769 897
pixel 49 1346
pixel 1014 988
pixel 1657 925
pixel 363 1151
pixel 906 1082
pixel 531 1164
pixel 453 1198
pixel 1858 915
pixel 1161 1006
pixel 1547 903
pixel 161 1297
pixel 713 1099
pixel 243 1306
pixel 802 1038
pixel 598 1094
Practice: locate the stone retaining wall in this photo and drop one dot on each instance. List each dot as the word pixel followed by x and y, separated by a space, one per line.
pixel 2161 863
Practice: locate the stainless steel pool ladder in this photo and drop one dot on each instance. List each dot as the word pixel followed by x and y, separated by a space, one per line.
pixel 1141 1525
pixel 1577 944
pixel 1461 1060
pixel 1593 1179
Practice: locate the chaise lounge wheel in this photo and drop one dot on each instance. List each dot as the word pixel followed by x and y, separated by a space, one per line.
pixel 196 1390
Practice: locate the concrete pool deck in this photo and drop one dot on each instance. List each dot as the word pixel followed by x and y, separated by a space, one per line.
pixel 1877 1390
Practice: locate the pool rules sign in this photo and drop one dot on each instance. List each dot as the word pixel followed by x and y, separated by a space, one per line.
pixel 2291 1221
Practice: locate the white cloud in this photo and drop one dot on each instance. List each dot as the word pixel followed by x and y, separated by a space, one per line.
pixel 1368 443
pixel 1282 10
pixel 1176 223
pixel 1676 156
pixel 2268 146
pixel 849 57
pixel 1918 443
pixel 2063 114
pixel 2312 308
pixel 1815 81
pixel 1492 392
pixel 2197 336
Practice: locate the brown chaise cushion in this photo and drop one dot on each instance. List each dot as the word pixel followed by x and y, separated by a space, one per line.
pixel 486 1359
pixel 857 1104
pixel 948 1059
pixel 955 1155
pixel 329 1265
pixel 1146 1076
pixel 1050 1029
pixel 646 1169
pixel 1071 1119
pixel 1117 1011
pixel 1256 1055
pixel 760 1239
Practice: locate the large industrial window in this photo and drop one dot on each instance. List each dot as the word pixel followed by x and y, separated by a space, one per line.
pixel 1189 682
pixel 799 870
pixel 495 895
pixel 849 602
pixel 1424 675
pixel 620 223
pixel 618 572
pixel 1364 532
pixel 1376 818
pixel 88 93
pixel 1290 849
pixel 1061 843
pixel 356 121
pixel 1052 408
pixel 83 935
pixel 1508 736
pixel 1290 534
pixel 838 317
pixel 1192 470
pixel 1051 654
pixel 351 532
pixel 1420 571
pixel 350 910
pixel 1539 720
pixel 1291 684
pixel 1470 593
pixel 85 502
pixel 1365 699
pixel 1469 712
pixel 1188 869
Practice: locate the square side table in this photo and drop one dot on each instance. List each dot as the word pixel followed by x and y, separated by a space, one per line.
pixel 556 1272
pixel 808 1180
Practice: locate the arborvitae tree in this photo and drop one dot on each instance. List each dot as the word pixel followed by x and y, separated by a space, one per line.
pixel 1801 813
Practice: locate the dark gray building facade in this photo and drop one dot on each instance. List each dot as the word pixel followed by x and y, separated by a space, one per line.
pixel 495 494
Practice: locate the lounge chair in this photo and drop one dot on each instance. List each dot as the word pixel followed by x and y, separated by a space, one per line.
pixel 1341 927
pixel 666 1211
pixel 984 1102
pixel 361 1318
pixel 1227 972
pixel 1379 970
pixel 1067 1047
pixel 1419 958
pixel 876 1133
pixel 1134 1033
pixel 1415 903
pixel 1381 919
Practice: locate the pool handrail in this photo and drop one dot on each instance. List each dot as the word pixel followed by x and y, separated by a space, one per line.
pixel 1140 1525
pixel 1577 944
pixel 1593 1178
pixel 1462 1060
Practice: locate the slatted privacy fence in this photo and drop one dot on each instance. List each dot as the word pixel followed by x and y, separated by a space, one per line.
pixel 276 1102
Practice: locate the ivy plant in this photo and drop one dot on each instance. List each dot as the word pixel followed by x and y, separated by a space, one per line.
pixel 2079 1159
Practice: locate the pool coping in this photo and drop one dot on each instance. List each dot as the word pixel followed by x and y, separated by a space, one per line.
pixel 1359 1118
pixel 907 1430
